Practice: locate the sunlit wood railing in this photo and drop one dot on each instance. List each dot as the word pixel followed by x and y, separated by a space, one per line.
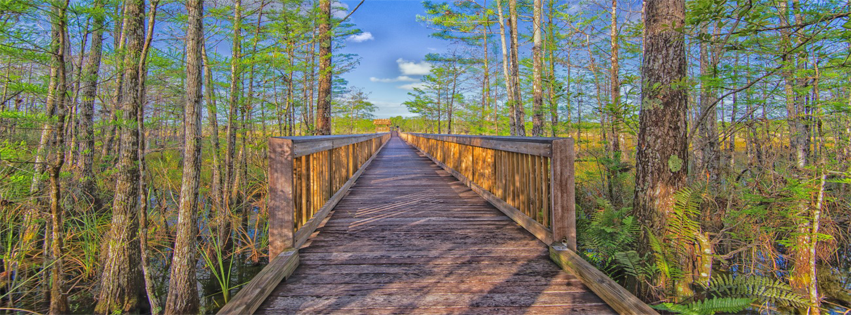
pixel 529 179
pixel 308 176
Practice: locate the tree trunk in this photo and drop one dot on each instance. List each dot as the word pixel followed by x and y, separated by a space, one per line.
pixel 182 287
pixel 212 117
pixel 662 143
pixel 55 107
pixel 505 65
pixel 519 111
pixel 486 82
pixel 223 216
pixel 323 105
pixel 616 114
pixel 152 299
pixel 708 154
pixel 537 65
pixel 86 145
pixel 551 75
pixel 120 281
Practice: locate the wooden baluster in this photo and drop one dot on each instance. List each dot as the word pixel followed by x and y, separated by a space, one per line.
pixel 281 205
pixel 564 211
pixel 547 198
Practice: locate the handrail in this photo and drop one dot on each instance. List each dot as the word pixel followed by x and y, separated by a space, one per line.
pixel 308 176
pixel 530 179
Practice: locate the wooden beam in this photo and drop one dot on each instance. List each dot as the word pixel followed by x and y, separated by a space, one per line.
pixel 281 204
pixel 621 300
pixel 255 292
pixel 563 193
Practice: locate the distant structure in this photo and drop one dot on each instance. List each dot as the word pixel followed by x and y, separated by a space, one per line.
pixel 382 125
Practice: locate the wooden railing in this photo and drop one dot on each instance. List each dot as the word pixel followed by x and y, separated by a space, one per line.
pixel 307 177
pixel 529 179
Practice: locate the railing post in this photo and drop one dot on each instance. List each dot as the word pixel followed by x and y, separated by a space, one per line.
pixel 563 192
pixel 281 205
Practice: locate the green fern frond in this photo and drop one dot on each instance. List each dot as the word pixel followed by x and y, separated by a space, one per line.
pixel 708 306
pixel 762 289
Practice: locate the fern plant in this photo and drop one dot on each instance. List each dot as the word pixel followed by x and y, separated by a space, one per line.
pixel 762 289
pixel 707 307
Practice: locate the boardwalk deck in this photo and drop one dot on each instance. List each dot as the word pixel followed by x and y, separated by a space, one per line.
pixel 410 238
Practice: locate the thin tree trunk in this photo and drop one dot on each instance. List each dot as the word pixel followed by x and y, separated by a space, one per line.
pixel 150 292
pixel 551 75
pixel 323 105
pixel 231 169
pixel 537 67
pixel 615 84
pixel 505 65
pixel 85 171
pixel 182 287
pixel 519 111
pixel 213 119
pixel 56 109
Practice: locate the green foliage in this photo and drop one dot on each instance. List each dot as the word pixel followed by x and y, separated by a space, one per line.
pixel 762 289
pixel 707 307
pixel 682 226
pixel 608 232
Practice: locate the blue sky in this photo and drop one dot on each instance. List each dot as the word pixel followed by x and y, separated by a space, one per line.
pixel 391 58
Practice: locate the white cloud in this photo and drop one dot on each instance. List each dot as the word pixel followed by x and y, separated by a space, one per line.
pixel 362 37
pixel 413 68
pixel 410 87
pixel 401 78
pixel 339 9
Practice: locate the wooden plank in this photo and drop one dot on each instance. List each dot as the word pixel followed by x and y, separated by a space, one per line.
pixel 308 228
pixel 255 292
pixel 523 220
pixel 607 289
pixel 411 238
pixel 281 203
pixel 563 193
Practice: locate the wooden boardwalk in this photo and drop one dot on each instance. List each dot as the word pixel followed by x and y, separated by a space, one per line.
pixel 410 238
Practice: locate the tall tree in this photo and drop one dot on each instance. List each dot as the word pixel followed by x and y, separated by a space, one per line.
pixel 86 144
pixel 518 109
pixel 122 274
pixel 231 167
pixel 182 289
pixel 509 83
pixel 537 68
pixel 323 105
pixel 55 107
pixel 662 142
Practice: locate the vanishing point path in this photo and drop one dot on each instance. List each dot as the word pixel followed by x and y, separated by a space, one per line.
pixel 410 238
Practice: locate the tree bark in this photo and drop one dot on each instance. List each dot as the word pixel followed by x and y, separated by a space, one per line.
pixel 537 67
pixel 615 84
pixel 323 105
pixel 86 144
pixel 231 169
pixel 120 281
pixel 662 136
pixel 182 287
pixel 212 116
pixel 55 107
pixel 519 111
pixel 505 65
